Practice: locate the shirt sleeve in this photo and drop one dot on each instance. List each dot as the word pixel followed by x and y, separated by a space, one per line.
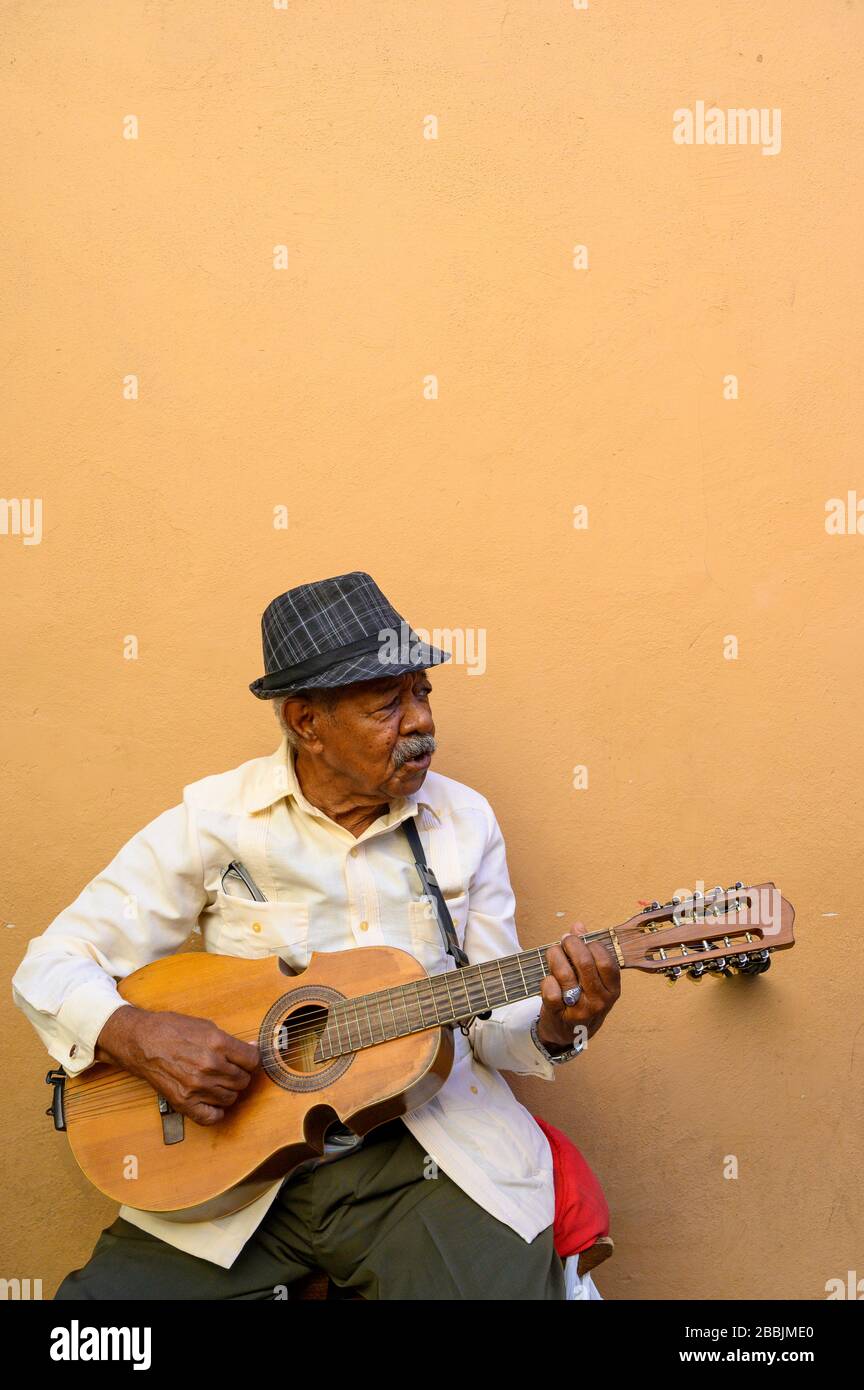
pixel 504 1040
pixel 140 908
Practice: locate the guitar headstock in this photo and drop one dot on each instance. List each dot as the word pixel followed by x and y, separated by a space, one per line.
pixel 725 931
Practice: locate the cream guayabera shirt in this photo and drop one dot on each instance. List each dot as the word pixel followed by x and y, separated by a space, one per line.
pixel 325 891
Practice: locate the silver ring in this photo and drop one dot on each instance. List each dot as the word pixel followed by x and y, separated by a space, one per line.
pixel 572 996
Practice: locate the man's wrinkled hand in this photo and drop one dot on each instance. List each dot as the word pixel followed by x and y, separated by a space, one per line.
pixel 576 962
pixel 198 1068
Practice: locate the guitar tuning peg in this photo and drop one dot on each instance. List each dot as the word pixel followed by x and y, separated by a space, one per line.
pixel 696 972
pixel 673 974
pixel 757 963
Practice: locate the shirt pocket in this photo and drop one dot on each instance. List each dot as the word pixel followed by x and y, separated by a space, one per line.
pixel 425 930
pixel 239 927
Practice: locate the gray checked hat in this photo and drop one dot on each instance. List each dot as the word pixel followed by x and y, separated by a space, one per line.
pixel 335 632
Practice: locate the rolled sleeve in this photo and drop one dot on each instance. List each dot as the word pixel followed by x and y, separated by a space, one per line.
pixel 504 1040
pixel 141 907
pixel 71 1035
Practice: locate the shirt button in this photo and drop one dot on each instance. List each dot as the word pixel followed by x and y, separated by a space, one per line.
pixel 256 926
pixel 474 1090
pixel 354 853
pixel 73 1050
pixel 364 926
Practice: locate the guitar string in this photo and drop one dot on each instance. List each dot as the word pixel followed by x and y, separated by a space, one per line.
pixel 510 970
pixel 507 968
pixel 88 1101
pixel 77 1103
pixel 515 974
pixel 297 1033
pixel 509 963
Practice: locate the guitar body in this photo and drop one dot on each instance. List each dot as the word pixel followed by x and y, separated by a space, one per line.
pixel 164 1162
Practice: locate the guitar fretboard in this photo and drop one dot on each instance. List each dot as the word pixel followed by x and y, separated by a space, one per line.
pixel 438 1000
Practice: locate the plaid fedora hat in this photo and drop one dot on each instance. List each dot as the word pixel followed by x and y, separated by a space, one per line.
pixel 335 632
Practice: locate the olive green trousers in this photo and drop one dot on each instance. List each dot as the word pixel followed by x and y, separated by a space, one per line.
pixel 376 1221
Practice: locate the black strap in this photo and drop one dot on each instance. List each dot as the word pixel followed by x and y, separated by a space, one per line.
pixel 432 890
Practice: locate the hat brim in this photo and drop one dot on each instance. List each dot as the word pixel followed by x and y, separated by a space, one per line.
pixel 359 668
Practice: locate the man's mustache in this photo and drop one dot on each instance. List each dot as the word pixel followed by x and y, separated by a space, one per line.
pixel 415 746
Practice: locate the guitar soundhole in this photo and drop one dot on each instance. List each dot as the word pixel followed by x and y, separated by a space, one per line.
pixel 289 1035
pixel 297 1036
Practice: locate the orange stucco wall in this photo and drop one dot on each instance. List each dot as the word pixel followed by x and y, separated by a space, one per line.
pixel 695 647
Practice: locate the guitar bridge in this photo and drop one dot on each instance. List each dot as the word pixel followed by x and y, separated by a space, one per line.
pixel 172 1122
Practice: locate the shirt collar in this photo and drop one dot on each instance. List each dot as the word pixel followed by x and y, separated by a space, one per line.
pixel 271 779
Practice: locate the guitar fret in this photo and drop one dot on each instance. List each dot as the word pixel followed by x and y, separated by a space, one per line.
pixel 446 979
pixel 405 1007
pixel 503 981
pixel 522 973
pixel 421 1002
pixel 433 999
pixel 482 980
pixel 454 1011
pixel 470 981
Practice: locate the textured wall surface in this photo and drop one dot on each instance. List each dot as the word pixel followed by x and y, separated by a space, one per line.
pixel 695 647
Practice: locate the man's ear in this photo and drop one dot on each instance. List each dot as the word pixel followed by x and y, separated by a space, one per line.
pixel 302 717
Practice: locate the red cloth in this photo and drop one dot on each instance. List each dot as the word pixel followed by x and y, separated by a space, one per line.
pixel 581 1213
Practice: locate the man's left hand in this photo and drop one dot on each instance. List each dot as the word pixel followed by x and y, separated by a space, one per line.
pixel 577 962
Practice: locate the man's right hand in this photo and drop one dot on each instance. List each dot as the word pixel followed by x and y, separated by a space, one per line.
pixel 190 1061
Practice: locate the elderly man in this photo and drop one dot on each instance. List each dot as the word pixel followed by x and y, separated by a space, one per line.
pixel 302 851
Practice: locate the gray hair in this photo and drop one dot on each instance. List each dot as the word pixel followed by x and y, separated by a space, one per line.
pixel 325 696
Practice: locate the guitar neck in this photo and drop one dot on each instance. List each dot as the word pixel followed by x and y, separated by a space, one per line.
pixel 437 1001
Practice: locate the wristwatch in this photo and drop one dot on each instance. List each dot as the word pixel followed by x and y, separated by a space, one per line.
pixel 557 1057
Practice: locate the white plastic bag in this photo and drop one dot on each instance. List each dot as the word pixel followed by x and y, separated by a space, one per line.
pixel 583 1288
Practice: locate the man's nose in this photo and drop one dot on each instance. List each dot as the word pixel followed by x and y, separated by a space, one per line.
pixel 417 718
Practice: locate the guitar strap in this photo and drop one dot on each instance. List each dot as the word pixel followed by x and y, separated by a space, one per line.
pixel 433 892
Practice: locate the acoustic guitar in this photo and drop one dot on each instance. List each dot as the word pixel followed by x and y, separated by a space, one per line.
pixel 359 1036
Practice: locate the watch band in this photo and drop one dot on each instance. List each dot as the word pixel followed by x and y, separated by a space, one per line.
pixel 555 1058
